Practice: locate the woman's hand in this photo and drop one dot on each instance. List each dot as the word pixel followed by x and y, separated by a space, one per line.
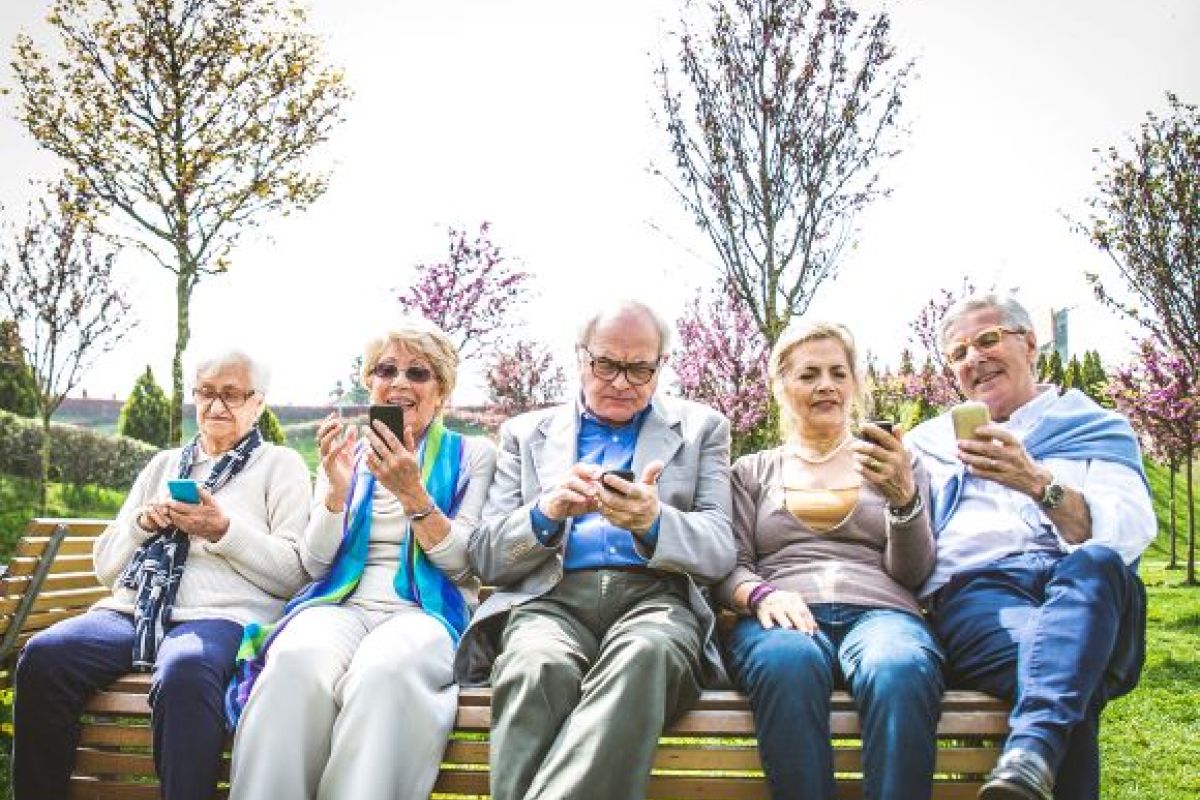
pixel 204 519
pixel 786 610
pixel 881 459
pixel 394 463
pixel 153 516
pixel 337 460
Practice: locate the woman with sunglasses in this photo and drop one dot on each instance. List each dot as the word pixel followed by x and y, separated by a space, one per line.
pixel 352 694
pixel 832 538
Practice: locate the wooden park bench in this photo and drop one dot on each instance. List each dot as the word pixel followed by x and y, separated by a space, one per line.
pixel 708 754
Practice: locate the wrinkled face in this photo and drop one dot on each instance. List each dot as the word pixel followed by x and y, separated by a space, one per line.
pixel 999 376
pixel 819 387
pixel 629 345
pixel 420 397
pixel 226 408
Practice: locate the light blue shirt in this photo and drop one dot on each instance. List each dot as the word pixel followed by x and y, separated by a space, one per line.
pixel 594 542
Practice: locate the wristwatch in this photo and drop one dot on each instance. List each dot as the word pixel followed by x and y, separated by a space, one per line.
pixel 1052 495
pixel 902 516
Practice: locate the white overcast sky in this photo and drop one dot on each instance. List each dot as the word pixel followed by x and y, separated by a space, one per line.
pixel 535 115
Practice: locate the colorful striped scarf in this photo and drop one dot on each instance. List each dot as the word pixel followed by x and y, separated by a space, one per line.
pixel 443 474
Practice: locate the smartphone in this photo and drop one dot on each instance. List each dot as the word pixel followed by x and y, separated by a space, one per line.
pixel 967 417
pixel 886 424
pixel 623 474
pixel 184 490
pixel 391 416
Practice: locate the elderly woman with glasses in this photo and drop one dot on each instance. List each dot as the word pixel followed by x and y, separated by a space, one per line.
pixel 352 694
pixel 185 577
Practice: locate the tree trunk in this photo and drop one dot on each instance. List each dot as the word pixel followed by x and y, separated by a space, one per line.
pixel 44 466
pixel 183 296
pixel 1172 527
pixel 1191 504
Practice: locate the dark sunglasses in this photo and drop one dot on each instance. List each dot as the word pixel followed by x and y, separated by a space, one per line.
pixel 413 374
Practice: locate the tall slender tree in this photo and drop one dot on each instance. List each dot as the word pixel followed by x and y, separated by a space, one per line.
pixel 146 414
pixel 779 115
pixel 191 119
pixel 57 285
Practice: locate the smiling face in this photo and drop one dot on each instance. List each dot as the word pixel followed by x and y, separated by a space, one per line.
pixel 818 387
pixel 421 401
pixel 220 426
pixel 1000 377
pixel 630 337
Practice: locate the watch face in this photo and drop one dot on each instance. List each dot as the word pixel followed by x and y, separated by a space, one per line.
pixel 1053 495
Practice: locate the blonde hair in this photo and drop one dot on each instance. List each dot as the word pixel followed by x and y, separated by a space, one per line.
pixel 781 353
pixel 423 338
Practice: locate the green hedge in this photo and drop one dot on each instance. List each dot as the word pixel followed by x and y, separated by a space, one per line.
pixel 77 456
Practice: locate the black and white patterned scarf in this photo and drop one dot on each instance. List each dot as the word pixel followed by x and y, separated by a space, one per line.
pixel 156 569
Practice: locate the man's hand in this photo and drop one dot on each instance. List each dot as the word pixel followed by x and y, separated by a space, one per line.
pixel 204 519
pixel 999 456
pixel 629 505
pixel 574 495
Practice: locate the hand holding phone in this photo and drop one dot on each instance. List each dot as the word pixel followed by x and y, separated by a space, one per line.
pixel 623 474
pixel 185 490
pixel 967 417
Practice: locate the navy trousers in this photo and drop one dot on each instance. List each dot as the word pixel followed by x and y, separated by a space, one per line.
pixel 61 666
pixel 1041 630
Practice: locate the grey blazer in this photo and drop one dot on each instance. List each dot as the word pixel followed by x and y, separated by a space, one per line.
pixel 695 535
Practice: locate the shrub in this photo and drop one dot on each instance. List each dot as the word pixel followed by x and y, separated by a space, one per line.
pixel 146 415
pixel 77 456
pixel 272 431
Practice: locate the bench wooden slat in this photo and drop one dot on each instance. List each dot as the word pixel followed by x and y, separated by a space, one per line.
pixel 26 565
pixel 89 526
pixel 15 586
pixel 72 598
pixel 91 789
pixel 71 546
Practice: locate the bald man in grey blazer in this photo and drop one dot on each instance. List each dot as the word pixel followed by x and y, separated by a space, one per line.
pixel 598 635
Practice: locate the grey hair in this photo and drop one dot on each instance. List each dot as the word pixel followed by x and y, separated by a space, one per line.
pixel 1012 313
pixel 612 309
pixel 260 373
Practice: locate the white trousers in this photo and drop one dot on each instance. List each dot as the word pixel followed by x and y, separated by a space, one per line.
pixel 352 703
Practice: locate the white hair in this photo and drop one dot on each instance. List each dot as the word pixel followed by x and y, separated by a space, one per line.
pixel 615 308
pixel 260 374
pixel 1012 313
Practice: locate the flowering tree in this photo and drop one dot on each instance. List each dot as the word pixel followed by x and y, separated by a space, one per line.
pixel 1146 218
pixel 1158 395
pixel 524 376
pixel 190 119
pixel 779 115
pixel 722 361
pixel 58 288
pixel 471 295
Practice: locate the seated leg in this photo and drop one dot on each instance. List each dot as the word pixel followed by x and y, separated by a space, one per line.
pixel 187 702
pixel 57 671
pixel 893 668
pixel 789 677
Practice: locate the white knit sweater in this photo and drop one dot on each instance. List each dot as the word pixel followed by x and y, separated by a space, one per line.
pixel 253 569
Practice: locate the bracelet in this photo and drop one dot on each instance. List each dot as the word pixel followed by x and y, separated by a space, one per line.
pixel 423 513
pixel 906 514
pixel 757 595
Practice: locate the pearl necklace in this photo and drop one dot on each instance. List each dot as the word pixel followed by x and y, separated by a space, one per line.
pixel 821 459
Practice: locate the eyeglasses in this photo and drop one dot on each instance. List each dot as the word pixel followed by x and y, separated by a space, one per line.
pixel 413 374
pixel 638 373
pixel 232 398
pixel 986 339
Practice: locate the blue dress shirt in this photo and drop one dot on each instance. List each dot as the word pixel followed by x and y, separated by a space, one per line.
pixel 594 542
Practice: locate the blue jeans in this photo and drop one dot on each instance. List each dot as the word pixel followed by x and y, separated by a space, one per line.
pixel 61 666
pixel 1039 630
pixel 892 667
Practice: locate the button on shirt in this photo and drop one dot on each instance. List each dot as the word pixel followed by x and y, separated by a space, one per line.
pixel 992 521
pixel 594 542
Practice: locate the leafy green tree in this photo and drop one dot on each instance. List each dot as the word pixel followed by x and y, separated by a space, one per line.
pixel 18 389
pixel 190 120
pixel 1054 369
pixel 1043 366
pixel 146 415
pixel 272 431
pixel 1095 379
pixel 1073 375
pixel 779 115
pixel 1146 218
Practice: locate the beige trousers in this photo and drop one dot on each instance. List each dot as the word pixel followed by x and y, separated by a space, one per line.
pixel 353 703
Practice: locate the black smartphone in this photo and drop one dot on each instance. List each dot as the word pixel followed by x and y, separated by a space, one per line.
pixel 391 416
pixel 623 474
pixel 886 424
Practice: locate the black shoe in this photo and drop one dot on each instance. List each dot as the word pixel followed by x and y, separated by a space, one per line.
pixel 1019 775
